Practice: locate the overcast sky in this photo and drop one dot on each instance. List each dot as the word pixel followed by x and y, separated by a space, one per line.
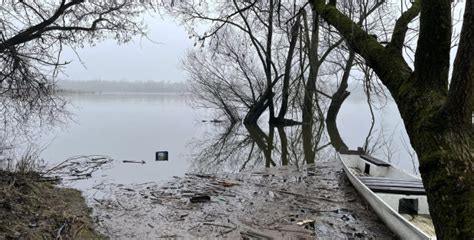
pixel 142 59
pixel 137 60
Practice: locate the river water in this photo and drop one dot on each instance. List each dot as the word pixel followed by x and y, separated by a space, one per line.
pixel 134 126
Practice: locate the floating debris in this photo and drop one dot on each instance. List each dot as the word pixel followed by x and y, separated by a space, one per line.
pixel 161 156
pixel 133 161
pixel 281 203
pixel 79 167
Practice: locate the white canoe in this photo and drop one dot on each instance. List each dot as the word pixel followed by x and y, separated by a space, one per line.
pixel 397 197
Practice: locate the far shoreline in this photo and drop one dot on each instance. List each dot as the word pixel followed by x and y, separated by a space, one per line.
pixel 66 92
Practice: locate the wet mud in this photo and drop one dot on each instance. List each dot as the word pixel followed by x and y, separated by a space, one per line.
pixel 311 202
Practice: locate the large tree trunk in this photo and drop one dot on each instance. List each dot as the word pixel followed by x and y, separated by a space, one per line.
pixel 443 137
pixel 258 108
pixel 310 88
pixel 444 149
pixel 437 120
pixel 284 145
pixel 308 143
pixel 446 167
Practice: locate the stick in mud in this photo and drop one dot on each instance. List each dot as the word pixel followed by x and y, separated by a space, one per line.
pixel 253 234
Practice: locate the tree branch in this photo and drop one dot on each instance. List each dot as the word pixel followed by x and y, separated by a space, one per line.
pixel 434 46
pixel 391 69
pixel 460 99
pixel 26 35
pixel 401 27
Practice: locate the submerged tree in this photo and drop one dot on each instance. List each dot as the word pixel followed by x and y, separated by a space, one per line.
pixel 436 109
pixel 255 43
pixel 224 78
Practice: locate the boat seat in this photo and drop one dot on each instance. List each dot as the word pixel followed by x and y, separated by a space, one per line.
pixel 374 161
pixel 345 150
pixel 394 185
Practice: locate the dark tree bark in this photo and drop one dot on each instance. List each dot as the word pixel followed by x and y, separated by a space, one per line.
pixel 264 142
pixel 308 143
pixel 436 120
pixel 268 60
pixel 259 107
pixel 310 88
pixel 284 145
pixel 288 64
pixel 266 100
pixel 337 100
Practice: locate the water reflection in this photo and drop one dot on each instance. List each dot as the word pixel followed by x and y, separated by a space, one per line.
pixel 127 127
pixel 135 126
pixel 246 147
pixel 237 148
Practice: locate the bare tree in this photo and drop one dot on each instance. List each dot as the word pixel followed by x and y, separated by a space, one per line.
pixel 33 34
pixel 262 48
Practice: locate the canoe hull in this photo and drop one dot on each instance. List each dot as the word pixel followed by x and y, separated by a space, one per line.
pixel 397 223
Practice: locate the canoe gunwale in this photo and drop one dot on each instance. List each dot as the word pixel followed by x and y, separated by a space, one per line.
pixel 374 201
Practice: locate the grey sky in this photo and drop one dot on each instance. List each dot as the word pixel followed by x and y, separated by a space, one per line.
pixel 140 59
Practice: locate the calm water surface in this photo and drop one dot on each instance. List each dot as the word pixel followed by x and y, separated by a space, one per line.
pixel 128 127
pixel 135 126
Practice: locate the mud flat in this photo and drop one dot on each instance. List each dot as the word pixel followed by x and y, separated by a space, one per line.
pixel 310 202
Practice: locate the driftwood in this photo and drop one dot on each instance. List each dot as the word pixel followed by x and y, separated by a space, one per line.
pixel 79 167
pixel 249 234
pixel 134 161
pixel 244 206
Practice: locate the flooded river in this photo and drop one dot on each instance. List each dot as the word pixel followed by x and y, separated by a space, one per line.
pixel 133 127
pixel 229 170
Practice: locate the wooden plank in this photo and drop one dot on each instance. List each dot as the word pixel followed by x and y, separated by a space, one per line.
pixel 398 190
pixel 375 161
pixel 394 185
pixel 346 151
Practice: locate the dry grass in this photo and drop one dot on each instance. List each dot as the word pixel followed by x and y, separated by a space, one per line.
pixel 32 207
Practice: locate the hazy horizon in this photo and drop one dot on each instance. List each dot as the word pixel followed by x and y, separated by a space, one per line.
pixel 122 86
pixel 156 58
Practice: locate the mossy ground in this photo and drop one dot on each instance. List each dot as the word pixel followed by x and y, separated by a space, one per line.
pixel 31 208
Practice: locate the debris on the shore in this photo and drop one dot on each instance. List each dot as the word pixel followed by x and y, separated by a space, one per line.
pixel 314 201
pixel 306 222
pixel 200 199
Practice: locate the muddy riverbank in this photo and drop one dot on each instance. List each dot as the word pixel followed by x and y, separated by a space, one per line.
pixel 32 207
pixel 310 202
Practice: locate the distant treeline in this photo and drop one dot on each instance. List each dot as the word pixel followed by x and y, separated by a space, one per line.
pixel 108 86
